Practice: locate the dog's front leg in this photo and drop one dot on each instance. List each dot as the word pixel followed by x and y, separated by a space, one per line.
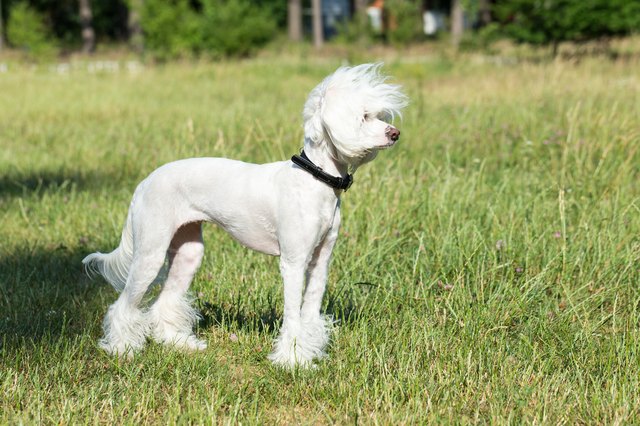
pixel 316 325
pixel 299 237
pixel 289 348
pixel 304 333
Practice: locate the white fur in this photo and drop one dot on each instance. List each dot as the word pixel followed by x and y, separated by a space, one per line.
pixel 275 208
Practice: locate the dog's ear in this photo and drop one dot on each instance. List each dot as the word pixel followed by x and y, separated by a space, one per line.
pixel 312 115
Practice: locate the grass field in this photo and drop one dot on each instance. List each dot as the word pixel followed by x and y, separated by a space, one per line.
pixel 488 267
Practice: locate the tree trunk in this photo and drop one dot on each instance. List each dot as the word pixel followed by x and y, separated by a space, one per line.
pixel 86 22
pixel 1 28
pixel 136 38
pixel 485 12
pixel 361 7
pixel 294 17
pixel 457 22
pixel 360 17
pixel 318 35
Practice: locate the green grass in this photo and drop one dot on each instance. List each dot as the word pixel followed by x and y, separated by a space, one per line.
pixel 487 269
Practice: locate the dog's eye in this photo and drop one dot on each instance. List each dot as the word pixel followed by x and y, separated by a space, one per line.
pixel 366 117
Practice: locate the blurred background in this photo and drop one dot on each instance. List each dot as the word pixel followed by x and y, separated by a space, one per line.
pixel 487 268
pixel 162 30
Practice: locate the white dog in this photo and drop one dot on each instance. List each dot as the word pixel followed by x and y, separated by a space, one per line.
pixel 286 208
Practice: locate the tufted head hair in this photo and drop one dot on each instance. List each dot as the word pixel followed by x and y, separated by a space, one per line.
pixel 351 111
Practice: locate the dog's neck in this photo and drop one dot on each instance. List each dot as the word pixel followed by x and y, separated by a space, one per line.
pixel 320 155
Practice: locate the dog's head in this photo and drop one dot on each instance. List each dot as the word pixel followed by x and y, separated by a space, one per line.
pixel 352 111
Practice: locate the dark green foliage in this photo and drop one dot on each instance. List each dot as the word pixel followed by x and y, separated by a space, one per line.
pixel 62 22
pixel 553 21
pixel 235 27
pixel 220 28
pixel 223 28
pixel 356 30
pixel 61 17
pixel 27 31
pixel 277 8
pixel 404 21
pixel 171 28
pixel 110 19
pixel 402 24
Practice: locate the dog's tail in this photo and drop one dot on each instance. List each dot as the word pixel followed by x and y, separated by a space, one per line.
pixel 114 266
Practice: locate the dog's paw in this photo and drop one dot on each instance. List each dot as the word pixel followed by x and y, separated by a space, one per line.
pixel 121 350
pixel 184 342
pixel 179 339
pixel 315 335
pixel 193 344
pixel 289 359
pixel 299 343
pixel 125 330
pixel 172 321
pixel 291 348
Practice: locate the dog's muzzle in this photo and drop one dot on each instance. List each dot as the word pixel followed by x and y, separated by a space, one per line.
pixel 392 133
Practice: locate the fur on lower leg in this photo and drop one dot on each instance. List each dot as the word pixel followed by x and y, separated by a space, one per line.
pixel 125 329
pixel 172 320
pixel 302 342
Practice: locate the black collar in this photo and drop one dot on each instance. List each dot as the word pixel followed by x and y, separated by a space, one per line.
pixel 307 165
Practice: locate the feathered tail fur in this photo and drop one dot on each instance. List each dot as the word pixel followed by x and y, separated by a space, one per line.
pixel 114 266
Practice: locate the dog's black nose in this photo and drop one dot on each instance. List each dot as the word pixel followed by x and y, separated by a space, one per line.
pixel 393 133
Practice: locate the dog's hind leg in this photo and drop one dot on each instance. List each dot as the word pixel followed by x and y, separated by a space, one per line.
pixel 125 325
pixel 172 316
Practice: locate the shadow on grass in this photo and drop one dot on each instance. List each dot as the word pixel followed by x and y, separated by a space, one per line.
pixel 345 307
pixel 14 184
pixel 44 294
pixel 264 319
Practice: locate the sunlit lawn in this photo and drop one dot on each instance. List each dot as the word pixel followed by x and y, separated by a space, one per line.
pixel 487 269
